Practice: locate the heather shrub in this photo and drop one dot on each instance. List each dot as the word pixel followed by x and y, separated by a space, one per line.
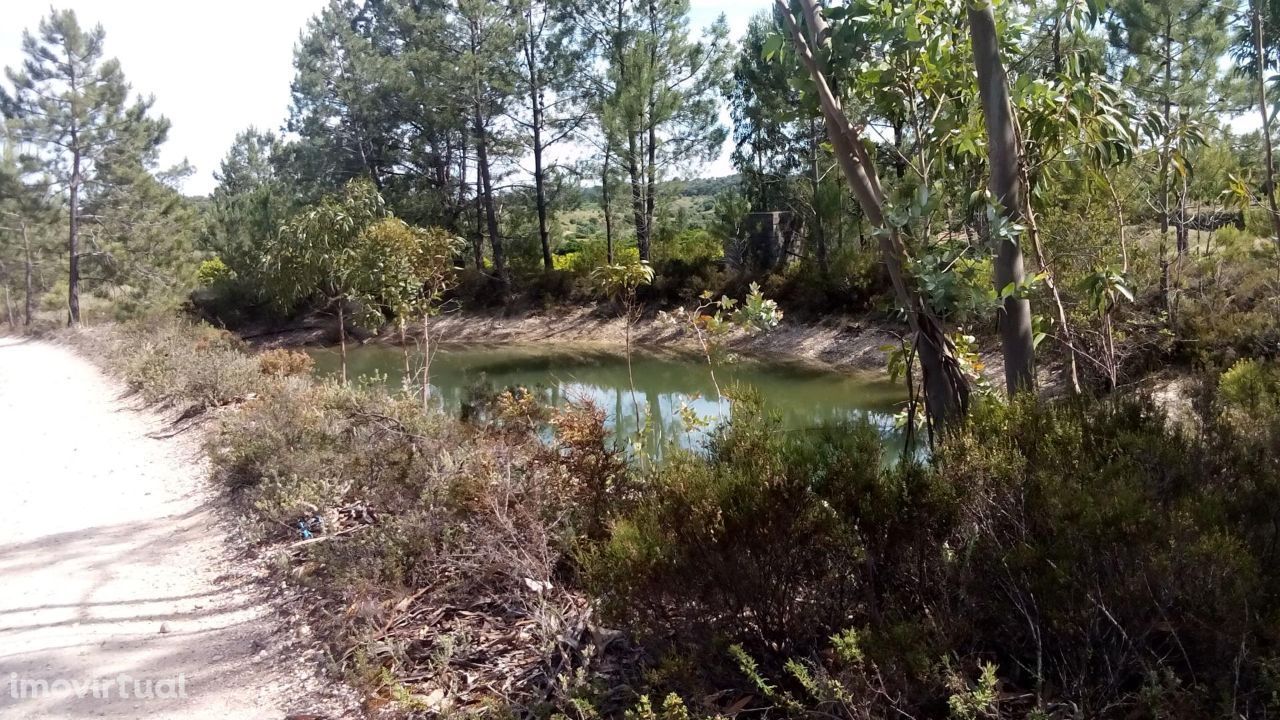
pixel 284 362
pixel 174 362
pixel 1078 555
pixel 773 539
pixel 1230 307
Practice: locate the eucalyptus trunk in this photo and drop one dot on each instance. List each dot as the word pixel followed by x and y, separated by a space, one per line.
pixel 946 388
pixel 1005 183
pixel 342 338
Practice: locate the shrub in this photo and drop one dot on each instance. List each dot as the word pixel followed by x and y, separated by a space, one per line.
pixel 283 362
pixel 773 539
pixel 1086 554
pixel 693 246
pixel 174 362
pixel 1230 308
pixel 395 517
pixel 213 271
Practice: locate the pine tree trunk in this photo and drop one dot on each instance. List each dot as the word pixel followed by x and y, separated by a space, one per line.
pixel 1269 172
pixel 28 300
pixel 73 243
pixel 651 124
pixel 490 209
pixel 1005 157
pixel 606 203
pixel 637 195
pixel 535 106
pixel 651 189
pixel 1165 163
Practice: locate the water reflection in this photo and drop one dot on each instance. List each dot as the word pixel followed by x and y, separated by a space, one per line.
pixel 666 387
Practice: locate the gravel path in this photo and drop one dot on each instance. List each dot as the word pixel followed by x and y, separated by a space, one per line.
pixel 115 576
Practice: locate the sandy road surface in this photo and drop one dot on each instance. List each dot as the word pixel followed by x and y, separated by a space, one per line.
pixel 113 563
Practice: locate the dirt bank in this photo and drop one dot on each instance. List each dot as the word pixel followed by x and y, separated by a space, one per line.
pixel 837 343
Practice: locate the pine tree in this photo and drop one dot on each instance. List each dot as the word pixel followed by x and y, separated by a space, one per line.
pixel 481 37
pixel 1169 53
pixel 248 206
pixel 71 107
pixel 553 104
pixel 26 219
pixel 659 91
pixel 1254 48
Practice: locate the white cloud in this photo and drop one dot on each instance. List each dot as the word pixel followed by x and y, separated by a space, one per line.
pixel 217 68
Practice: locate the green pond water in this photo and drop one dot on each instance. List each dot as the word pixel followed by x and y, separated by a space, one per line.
pixel 663 385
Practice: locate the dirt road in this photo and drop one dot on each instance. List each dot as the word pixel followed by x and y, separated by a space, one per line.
pixel 119 595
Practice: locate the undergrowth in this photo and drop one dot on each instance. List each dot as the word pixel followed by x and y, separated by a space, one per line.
pixel 1080 559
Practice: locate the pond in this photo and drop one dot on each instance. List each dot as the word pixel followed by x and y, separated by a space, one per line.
pixel 663 383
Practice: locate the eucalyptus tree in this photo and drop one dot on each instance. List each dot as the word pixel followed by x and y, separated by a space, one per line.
pixel 1004 153
pixel 409 269
pixel 320 252
pixel 946 386
pixel 69 108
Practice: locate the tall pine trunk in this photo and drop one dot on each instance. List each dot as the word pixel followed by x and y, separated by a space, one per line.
pixel 606 202
pixel 490 209
pixel 535 107
pixel 1005 184
pixel 637 194
pixel 1269 172
pixel 73 242
pixel 28 300
pixel 651 129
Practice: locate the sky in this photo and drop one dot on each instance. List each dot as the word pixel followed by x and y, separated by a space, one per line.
pixel 216 68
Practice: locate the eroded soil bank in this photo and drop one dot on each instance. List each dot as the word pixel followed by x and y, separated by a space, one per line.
pixel 837 343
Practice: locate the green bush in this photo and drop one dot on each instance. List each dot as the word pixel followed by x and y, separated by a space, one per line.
pixel 693 246
pixel 1230 305
pixel 1087 555
pixel 774 538
pixel 213 271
